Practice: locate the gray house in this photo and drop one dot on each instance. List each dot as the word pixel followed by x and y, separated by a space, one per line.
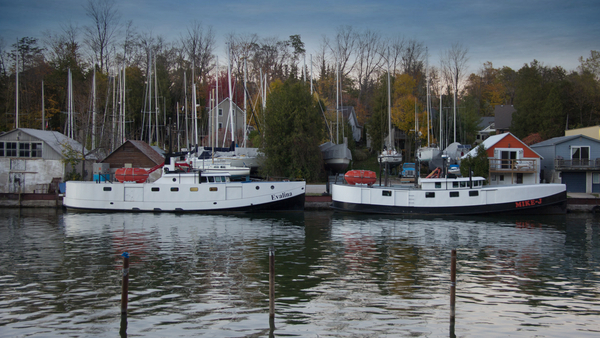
pixel 573 160
pixel 31 160
pixel 349 115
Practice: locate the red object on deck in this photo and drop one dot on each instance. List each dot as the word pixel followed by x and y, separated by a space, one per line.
pixel 361 177
pixel 137 175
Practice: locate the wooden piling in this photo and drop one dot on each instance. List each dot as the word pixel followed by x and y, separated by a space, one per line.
pixel 271 282
pixel 125 283
pixel 453 285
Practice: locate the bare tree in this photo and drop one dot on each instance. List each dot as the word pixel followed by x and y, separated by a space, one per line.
pixel 454 65
pixel 343 48
pixel 103 30
pixel 199 45
pixel 413 58
pixel 241 48
pixel 396 46
pixel 368 58
pixel 62 48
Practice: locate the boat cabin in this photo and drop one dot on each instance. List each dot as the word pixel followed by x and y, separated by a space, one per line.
pixel 459 183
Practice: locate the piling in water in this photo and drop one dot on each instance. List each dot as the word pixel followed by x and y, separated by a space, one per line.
pixel 125 284
pixel 271 282
pixel 453 286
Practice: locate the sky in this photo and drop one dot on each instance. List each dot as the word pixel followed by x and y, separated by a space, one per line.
pixel 505 32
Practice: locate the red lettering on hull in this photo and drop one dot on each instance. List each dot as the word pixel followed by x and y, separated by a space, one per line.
pixel 528 203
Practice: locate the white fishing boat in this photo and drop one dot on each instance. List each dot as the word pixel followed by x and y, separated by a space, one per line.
pixel 451 196
pixel 191 191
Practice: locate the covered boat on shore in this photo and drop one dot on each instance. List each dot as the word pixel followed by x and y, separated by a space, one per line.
pixel 451 196
pixel 193 191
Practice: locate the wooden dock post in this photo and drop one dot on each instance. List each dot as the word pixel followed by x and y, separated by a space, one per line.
pixel 453 286
pixel 271 282
pixel 125 284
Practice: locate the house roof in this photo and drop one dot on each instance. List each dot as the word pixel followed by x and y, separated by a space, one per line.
pixel 147 150
pixel 55 140
pixel 562 139
pixel 532 139
pixel 348 112
pixel 485 122
pixel 491 141
pixel 503 116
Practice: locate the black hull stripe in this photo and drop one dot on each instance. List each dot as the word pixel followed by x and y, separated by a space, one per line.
pixel 295 203
pixel 555 204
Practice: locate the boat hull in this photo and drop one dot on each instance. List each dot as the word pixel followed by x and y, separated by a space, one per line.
pixel 539 199
pixel 178 197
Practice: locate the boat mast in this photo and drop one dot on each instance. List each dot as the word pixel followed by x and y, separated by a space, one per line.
pixel 156 100
pixel 216 110
pixel 230 95
pixel 93 109
pixel 245 111
pixel 337 101
pixel 43 112
pixel 187 128
pixel 389 102
pixel 17 88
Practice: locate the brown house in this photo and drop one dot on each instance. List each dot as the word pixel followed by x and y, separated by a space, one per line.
pixel 136 154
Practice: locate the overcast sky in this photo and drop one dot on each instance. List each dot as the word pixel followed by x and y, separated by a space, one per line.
pixel 507 33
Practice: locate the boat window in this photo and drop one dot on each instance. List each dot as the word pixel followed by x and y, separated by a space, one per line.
pixel 430 194
pixel 454 194
pixel 107 188
pixel 386 193
pixel 203 179
pixel 463 184
pixel 454 184
pixel 174 189
pixel 194 189
pixel 211 179
pixel 155 189
pixel 213 189
pixel 473 193
pixel 438 185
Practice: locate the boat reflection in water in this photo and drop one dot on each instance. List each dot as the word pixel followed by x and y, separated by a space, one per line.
pixel 337 274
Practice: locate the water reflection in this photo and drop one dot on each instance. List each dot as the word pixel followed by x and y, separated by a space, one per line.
pixel 336 275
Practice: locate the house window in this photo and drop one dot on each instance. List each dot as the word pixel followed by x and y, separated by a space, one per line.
pixel 24 149
pixel 596 178
pixel 220 125
pixel 11 149
pixel 1 149
pixel 501 178
pixel 36 149
pixel 580 155
pixel 220 113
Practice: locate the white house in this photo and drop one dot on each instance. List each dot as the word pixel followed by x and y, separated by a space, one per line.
pixel 31 160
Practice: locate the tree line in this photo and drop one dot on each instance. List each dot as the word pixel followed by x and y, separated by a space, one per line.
pixel 160 78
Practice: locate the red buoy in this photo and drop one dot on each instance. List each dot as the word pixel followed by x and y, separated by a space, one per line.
pixel 137 175
pixel 367 177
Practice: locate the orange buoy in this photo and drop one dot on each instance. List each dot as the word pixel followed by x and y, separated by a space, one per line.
pixel 137 175
pixel 367 177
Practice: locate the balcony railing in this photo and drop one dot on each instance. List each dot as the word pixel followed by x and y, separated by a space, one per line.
pixel 584 164
pixel 513 166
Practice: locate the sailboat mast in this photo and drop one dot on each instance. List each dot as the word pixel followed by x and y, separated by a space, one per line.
pixel 230 95
pixel 389 102
pixel 187 136
pixel 245 110
pixel 217 109
pixel 337 102
pixel 93 109
pixel 17 88
pixel 156 101
pixel 43 111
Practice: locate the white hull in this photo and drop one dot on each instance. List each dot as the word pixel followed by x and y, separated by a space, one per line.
pixel 540 198
pixel 182 192
pixel 427 154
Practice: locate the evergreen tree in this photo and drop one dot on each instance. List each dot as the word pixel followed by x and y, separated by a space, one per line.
pixel 293 132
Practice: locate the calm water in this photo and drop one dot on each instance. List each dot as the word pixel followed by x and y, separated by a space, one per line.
pixel 337 275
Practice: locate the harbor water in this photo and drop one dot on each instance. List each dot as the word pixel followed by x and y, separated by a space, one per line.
pixel 336 275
